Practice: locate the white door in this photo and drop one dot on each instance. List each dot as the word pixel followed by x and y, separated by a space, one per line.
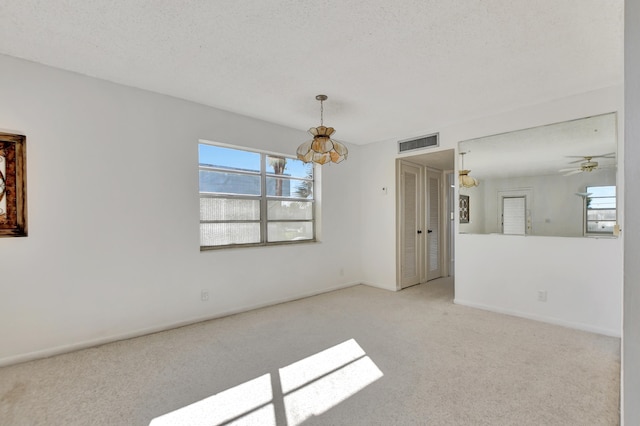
pixel 434 229
pixel 514 215
pixel 410 230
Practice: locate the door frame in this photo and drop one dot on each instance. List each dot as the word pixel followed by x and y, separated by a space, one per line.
pixel 448 222
pixel 441 221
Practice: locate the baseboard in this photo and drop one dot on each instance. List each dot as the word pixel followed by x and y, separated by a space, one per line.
pixel 378 286
pixel 541 318
pixel 58 350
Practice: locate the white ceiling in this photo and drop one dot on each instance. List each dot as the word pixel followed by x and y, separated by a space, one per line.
pixel 391 69
pixel 544 150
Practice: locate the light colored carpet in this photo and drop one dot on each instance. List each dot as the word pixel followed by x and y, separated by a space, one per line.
pixel 406 358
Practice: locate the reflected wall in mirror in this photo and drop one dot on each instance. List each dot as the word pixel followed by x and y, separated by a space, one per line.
pixel 554 180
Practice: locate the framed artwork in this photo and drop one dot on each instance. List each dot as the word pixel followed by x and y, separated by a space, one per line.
pixel 464 209
pixel 13 186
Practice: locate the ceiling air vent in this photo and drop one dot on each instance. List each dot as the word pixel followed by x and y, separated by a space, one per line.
pixel 421 142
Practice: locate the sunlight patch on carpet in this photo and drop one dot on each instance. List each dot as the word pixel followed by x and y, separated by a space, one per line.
pixel 317 383
pixel 248 403
pixel 310 387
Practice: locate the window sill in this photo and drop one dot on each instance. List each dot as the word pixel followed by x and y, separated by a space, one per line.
pixel 237 246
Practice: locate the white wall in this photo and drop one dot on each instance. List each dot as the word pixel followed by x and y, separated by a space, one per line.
pixel 477 210
pixel 589 301
pixel 581 277
pixel 378 222
pixel 113 245
pixel 113 221
pixel 555 209
pixel 631 334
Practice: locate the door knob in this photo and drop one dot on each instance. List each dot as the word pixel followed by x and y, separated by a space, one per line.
pixel 429 231
pixel 419 231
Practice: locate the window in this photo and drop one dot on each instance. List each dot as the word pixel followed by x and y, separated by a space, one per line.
pixel 253 198
pixel 600 209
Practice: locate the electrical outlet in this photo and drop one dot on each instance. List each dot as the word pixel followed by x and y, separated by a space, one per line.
pixel 542 295
pixel 204 295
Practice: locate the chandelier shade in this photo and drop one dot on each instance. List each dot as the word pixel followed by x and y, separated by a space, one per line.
pixel 464 179
pixel 322 149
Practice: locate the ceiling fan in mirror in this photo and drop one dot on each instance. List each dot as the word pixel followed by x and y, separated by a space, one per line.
pixel 586 163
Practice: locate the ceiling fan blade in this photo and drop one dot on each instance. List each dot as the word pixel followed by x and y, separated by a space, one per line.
pixel 584 157
pixel 569 169
pixel 581 160
pixel 573 172
pixel 608 155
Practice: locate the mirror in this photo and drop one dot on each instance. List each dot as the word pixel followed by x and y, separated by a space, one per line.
pixel 554 180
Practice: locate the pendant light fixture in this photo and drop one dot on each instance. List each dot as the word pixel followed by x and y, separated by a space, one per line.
pixel 464 179
pixel 322 149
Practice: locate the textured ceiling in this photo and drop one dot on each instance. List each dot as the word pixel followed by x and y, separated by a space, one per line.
pixel 544 150
pixel 392 70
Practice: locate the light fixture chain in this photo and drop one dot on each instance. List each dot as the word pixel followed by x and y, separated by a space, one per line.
pixel 321 113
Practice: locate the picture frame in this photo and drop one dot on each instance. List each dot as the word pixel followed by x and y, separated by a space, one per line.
pixel 13 185
pixel 464 208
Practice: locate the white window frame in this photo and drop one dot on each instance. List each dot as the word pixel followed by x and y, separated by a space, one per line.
pixel 263 198
pixel 586 215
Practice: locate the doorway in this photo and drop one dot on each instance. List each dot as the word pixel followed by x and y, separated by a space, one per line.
pixel 425 218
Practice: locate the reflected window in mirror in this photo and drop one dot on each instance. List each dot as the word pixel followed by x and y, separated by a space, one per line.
pixel 600 208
